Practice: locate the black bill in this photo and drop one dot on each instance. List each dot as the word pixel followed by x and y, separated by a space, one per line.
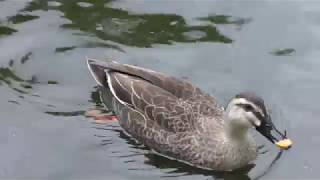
pixel 268 130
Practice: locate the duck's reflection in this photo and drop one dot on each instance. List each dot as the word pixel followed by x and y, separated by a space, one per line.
pixel 181 169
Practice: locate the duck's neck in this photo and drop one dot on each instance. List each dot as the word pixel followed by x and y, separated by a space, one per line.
pixel 239 146
pixel 236 133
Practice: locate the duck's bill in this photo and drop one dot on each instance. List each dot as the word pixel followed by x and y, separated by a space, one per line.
pixel 269 131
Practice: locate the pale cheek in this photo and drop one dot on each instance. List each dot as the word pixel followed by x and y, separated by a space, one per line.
pixel 236 115
pixel 247 123
pixel 241 119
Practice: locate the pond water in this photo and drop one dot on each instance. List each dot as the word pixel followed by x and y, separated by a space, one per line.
pixel 224 47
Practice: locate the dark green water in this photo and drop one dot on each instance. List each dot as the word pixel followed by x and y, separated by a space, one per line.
pixel 223 47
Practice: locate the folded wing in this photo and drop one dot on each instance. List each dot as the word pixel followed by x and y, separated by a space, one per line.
pixel 174 105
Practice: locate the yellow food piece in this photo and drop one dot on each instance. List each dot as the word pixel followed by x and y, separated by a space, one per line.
pixel 284 144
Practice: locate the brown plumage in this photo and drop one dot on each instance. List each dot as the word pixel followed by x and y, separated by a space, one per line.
pixel 174 118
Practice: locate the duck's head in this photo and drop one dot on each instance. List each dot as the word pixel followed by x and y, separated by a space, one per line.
pixel 247 110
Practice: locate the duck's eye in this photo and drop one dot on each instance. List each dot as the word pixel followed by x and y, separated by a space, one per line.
pixel 248 107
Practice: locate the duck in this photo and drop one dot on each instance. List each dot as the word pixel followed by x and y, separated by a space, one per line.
pixel 179 121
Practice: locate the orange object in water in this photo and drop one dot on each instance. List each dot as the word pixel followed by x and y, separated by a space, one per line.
pixel 99 116
pixel 106 117
pixel 284 144
pixel 102 119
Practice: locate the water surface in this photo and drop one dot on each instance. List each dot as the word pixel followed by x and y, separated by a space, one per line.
pixel 224 47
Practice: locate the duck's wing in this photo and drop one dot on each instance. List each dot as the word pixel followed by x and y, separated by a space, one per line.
pixel 179 88
pixel 174 104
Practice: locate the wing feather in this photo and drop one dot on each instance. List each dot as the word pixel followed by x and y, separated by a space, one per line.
pixel 174 105
pixel 179 88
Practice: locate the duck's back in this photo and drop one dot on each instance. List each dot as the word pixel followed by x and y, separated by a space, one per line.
pixel 168 115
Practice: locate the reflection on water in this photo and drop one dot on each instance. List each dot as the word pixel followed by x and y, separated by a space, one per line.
pixel 225 19
pixel 21 18
pixel 88 45
pixel 270 166
pixel 64 49
pixel 16 83
pixel 72 113
pixel 140 30
pixel 177 169
pixel 8 77
pixel 284 52
pixel 4 30
pixel 25 58
pixel 95 97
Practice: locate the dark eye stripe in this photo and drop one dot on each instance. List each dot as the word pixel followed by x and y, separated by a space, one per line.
pixel 256 113
pixel 245 106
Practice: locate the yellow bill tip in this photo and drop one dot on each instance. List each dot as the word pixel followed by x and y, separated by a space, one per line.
pixel 284 144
